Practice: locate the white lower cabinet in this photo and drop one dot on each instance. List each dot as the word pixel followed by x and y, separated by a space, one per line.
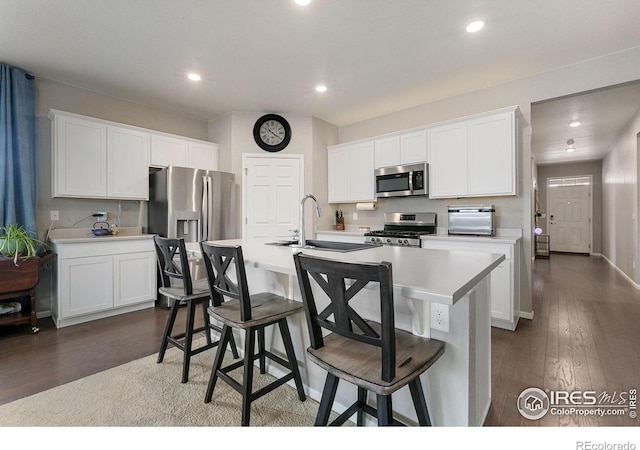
pixel 102 279
pixel 505 279
pixel 85 285
pixel 134 278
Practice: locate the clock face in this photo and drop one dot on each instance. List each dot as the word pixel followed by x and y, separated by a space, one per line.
pixel 272 132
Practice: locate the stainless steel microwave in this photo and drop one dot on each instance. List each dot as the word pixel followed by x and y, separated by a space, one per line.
pixel 402 181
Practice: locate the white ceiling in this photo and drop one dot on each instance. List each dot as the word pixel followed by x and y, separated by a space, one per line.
pixel 375 56
pixel 603 115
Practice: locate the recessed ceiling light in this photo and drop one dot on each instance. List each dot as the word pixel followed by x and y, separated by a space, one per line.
pixel 194 77
pixel 321 88
pixel 575 123
pixel 303 2
pixel 570 149
pixel 474 26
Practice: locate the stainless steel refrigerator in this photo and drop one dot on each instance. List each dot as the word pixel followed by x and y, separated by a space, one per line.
pixel 194 204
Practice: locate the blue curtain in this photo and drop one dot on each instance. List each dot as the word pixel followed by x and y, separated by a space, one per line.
pixel 17 148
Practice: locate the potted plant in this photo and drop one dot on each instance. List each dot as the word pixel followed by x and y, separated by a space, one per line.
pixel 19 264
pixel 16 242
pixel 19 271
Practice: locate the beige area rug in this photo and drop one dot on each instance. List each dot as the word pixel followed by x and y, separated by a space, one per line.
pixel 143 393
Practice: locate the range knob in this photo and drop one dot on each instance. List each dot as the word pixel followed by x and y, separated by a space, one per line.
pixel 388 241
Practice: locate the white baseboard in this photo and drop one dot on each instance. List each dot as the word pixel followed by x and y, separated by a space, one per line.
pixel 526 315
pixel 624 275
pixel 43 314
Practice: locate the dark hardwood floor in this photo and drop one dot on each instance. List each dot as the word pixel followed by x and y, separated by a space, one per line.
pixel 31 363
pixel 584 336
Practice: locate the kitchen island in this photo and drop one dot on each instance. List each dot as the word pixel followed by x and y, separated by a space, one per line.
pixel 458 386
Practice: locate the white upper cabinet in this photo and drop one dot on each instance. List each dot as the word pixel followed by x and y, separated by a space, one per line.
pixel 175 151
pixel 448 161
pixel 387 152
pixel 350 173
pixel 92 159
pixel 492 155
pixel 203 155
pixel 406 148
pixel 168 151
pixel 79 157
pixel 474 157
pixel 127 163
pixel 413 147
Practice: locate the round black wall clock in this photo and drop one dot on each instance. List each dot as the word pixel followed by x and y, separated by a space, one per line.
pixel 272 132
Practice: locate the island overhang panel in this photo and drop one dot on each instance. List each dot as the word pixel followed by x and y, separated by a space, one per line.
pixel 458 386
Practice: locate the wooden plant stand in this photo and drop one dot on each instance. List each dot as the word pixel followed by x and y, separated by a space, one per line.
pixel 19 281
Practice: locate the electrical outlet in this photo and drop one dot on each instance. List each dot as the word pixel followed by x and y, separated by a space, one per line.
pixel 355 216
pixel 440 317
pixel 55 215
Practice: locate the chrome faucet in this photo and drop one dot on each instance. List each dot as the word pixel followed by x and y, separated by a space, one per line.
pixel 302 242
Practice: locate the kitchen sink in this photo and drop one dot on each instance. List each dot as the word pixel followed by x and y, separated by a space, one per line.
pixel 327 245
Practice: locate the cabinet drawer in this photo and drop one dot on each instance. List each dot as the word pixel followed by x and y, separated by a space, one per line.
pixel 334 237
pixel 505 249
pixel 108 246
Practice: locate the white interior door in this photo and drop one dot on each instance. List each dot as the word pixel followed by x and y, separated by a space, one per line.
pixel 570 218
pixel 272 190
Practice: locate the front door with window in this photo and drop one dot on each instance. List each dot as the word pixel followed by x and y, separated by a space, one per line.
pixel 570 214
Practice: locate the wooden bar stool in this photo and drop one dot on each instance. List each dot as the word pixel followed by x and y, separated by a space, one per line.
pixel 251 313
pixel 178 286
pixel 375 357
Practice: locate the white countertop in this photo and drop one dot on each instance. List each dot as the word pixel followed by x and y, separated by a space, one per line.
pixel 503 236
pixel 350 230
pixel 440 276
pixel 76 235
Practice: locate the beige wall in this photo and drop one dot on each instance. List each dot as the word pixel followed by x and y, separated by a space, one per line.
pixel 593 168
pixel 513 212
pixel 233 132
pixel 52 95
pixel 309 137
pixel 620 202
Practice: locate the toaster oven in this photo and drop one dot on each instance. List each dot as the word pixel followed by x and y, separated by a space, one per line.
pixel 472 220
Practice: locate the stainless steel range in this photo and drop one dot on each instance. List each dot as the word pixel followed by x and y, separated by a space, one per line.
pixel 403 229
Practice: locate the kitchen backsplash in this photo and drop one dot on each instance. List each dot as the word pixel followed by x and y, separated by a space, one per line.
pixel 79 212
pixel 508 210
